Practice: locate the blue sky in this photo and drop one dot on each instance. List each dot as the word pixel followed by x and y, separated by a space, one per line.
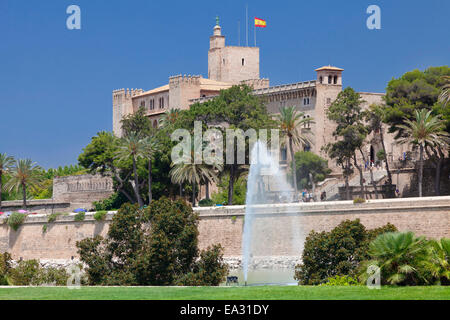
pixel 56 84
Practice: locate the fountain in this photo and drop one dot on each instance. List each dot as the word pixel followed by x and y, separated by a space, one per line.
pixel 272 232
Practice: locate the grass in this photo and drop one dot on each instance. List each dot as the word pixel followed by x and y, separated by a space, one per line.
pixel 226 293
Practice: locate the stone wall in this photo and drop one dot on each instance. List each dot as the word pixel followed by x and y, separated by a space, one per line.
pixel 69 193
pixel 80 191
pixel 424 216
pixel 46 206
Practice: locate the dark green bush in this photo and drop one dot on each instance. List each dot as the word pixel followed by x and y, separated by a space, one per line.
pixel 338 252
pixel 100 215
pixel 30 273
pixel 115 201
pixel 209 270
pixel 5 267
pixel 80 216
pixel 50 276
pixel 206 203
pixel 16 219
pixel 24 272
pixel 152 246
pixel 405 259
pixel 52 217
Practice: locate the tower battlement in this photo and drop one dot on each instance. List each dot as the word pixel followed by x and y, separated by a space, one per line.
pixel 184 79
pixel 257 83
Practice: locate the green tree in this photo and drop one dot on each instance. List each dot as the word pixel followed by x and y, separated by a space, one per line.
pixel 310 169
pixel 419 90
pixel 351 131
pixel 133 147
pixel 424 131
pixel 169 118
pixel 444 96
pixel 151 146
pixel 186 170
pixel 236 108
pixel 412 91
pixel 137 124
pixel 25 174
pixel 157 245
pixel 99 156
pixel 290 120
pixel 6 163
pixel 374 117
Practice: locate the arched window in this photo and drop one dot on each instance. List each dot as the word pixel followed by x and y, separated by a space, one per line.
pixel 155 123
pixel 243 61
pixel 321 79
pixel 335 80
pixel 329 79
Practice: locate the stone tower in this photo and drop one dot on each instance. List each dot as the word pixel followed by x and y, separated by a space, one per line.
pixel 122 106
pixel 328 86
pixel 231 64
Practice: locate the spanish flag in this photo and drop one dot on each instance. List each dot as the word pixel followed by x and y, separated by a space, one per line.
pixel 260 23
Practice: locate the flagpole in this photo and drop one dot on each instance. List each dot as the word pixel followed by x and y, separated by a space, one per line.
pixel 239 33
pixel 255 33
pixel 246 21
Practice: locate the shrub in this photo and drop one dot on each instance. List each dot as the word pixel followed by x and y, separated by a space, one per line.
pixel 210 269
pixel 438 263
pixel 29 272
pixel 359 200
pixel 116 200
pixel 402 258
pixel 100 215
pixel 5 267
pixel 44 228
pixel 164 254
pixel 24 272
pixel 16 219
pixel 338 252
pixel 52 217
pixel 206 203
pixel 50 276
pixel 80 216
pixel 341 281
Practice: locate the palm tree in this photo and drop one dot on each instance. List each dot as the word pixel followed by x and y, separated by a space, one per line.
pixel 439 263
pixel 444 97
pixel 24 174
pixel 290 120
pixel 400 256
pixel 424 130
pixel 133 147
pixel 187 170
pixel 150 145
pixel 6 163
pixel 169 118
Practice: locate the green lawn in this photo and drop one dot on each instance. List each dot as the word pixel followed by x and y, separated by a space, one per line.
pixel 226 293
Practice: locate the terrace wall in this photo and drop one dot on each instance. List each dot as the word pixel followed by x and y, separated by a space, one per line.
pixel 424 216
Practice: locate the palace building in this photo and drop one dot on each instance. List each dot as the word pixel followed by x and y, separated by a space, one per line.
pixel 232 65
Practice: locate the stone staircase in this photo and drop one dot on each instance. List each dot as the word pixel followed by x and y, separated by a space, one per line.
pixel 331 187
